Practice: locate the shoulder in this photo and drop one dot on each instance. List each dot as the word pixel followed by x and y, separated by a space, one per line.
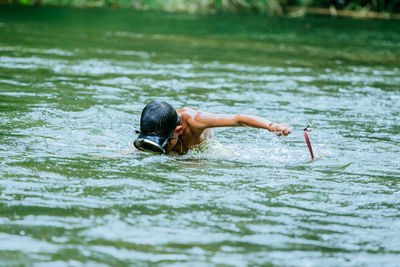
pixel 192 118
pixel 202 119
pixel 187 111
pixel 189 114
pixel 195 114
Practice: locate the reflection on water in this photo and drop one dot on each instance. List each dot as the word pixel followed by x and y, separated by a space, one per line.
pixel 71 96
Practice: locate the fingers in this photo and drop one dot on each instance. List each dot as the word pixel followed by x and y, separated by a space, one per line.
pixel 283 131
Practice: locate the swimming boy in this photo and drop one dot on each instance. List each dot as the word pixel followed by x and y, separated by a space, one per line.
pixel 164 129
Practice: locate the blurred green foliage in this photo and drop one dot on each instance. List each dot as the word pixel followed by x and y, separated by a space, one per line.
pixel 372 5
pixel 259 6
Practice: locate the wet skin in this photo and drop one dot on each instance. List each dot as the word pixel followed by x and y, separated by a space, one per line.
pixel 196 127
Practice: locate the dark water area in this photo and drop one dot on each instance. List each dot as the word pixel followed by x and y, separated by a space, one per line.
pixel 73 83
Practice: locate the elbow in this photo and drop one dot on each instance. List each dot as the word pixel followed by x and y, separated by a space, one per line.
pixel 240 120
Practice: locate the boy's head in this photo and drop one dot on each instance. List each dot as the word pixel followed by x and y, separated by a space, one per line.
pixel 158 118
pixel 158 123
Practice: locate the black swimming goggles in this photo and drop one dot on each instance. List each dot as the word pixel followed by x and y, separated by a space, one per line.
pixel 155 142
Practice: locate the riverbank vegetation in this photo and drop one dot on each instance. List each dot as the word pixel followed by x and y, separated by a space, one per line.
pixel 272 7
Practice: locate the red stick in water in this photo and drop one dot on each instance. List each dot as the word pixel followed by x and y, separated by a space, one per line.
pixel 307 129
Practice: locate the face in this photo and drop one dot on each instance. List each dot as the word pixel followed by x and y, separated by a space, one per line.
pixel 174 141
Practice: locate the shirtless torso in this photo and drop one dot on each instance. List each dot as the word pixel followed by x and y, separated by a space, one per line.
pixel 196 126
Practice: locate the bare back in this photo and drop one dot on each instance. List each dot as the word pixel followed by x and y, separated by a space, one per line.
pixel 197 124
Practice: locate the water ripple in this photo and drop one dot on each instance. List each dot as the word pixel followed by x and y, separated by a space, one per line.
pixel 70 98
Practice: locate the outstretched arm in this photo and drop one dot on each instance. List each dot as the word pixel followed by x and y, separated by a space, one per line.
pixel 209 120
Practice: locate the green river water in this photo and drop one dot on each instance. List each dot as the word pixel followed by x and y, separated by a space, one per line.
pixel 72 86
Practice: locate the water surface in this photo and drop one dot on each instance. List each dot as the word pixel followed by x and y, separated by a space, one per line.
pixel 72 87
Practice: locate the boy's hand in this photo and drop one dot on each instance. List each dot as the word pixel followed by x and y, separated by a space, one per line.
pixel 283 129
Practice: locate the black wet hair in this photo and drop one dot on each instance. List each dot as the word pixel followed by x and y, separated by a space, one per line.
pixel 158 118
